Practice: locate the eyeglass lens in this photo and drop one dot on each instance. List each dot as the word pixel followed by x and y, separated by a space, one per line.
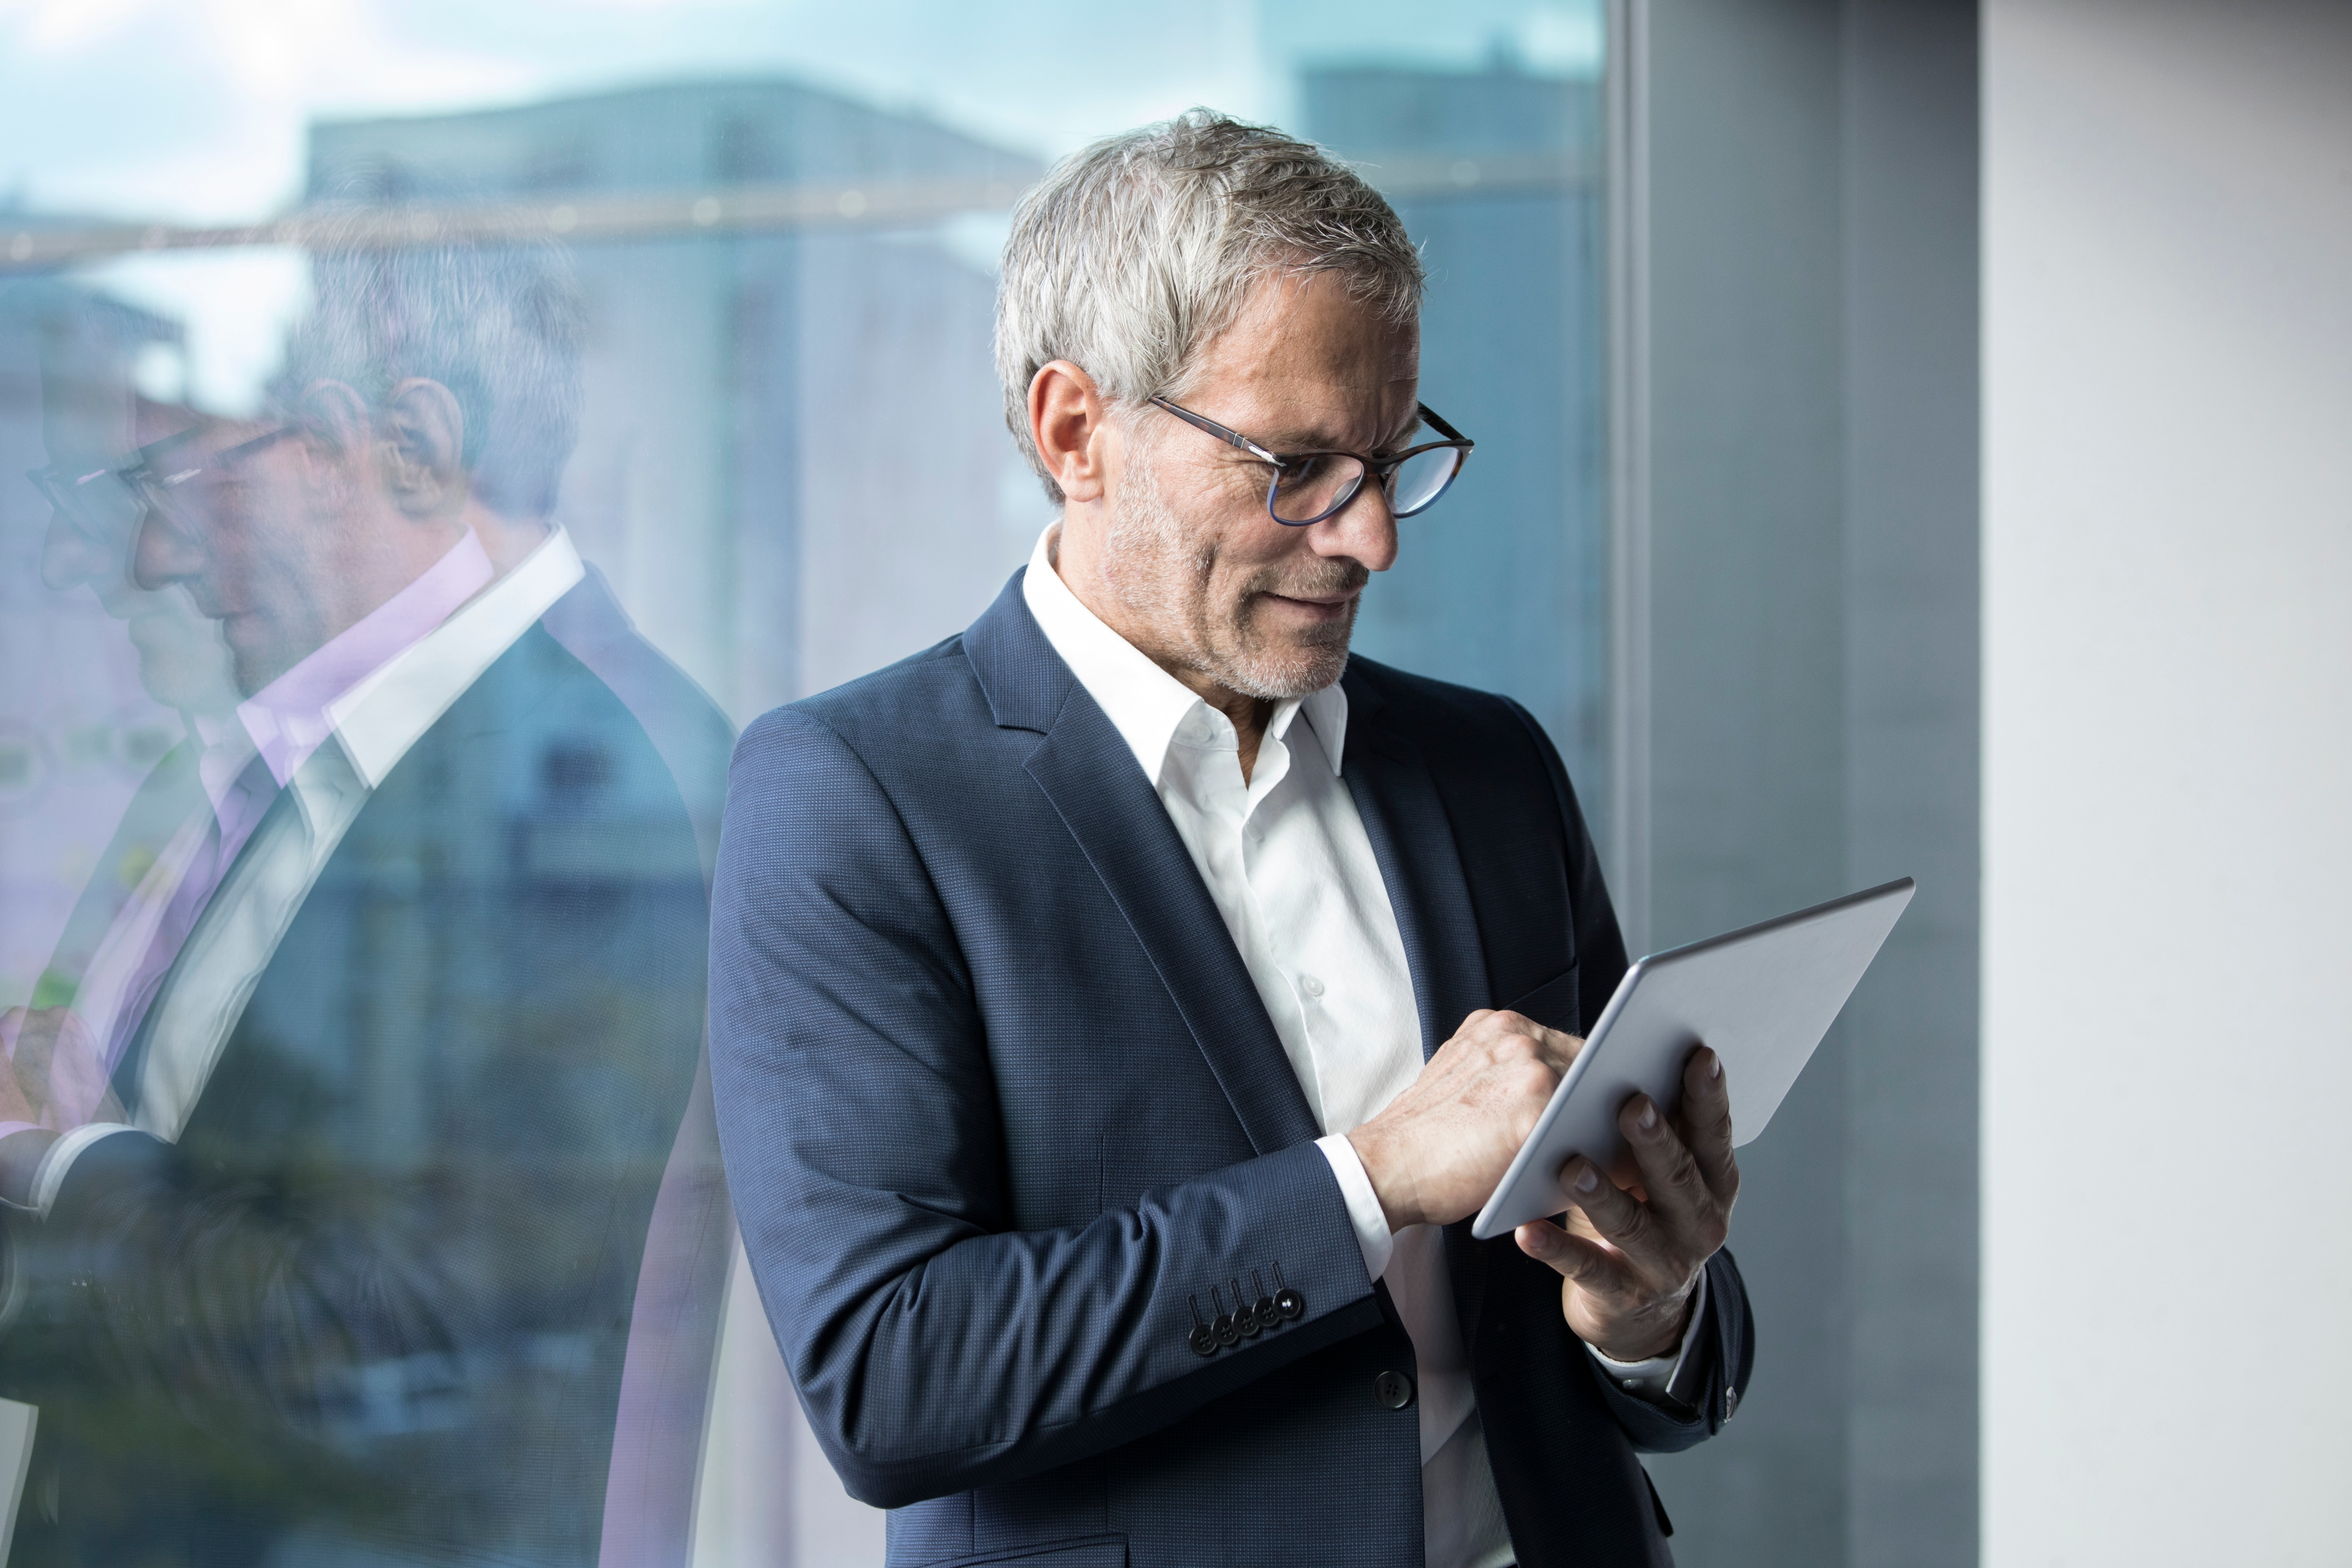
pixel 102 503
pixel 1419 480
pixel 1311 487
pixel 1307 487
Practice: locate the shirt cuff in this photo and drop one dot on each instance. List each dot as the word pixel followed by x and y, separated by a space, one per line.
pixel 1372 1236
pixel 1650 1379
pixel 49 1176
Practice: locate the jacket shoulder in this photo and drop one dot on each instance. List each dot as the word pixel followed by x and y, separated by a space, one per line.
pixel 1440 711
pixel 918 703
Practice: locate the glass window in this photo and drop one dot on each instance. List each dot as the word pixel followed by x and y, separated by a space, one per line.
pixel 427 432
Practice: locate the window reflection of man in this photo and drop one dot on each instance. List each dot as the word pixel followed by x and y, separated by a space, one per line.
pixel 94 517
pixel 350 1270
pixel 90 420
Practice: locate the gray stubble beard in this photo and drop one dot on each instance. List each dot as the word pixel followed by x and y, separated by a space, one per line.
pixel 1152 565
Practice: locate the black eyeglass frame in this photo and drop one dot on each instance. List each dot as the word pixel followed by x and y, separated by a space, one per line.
pixel 1370 463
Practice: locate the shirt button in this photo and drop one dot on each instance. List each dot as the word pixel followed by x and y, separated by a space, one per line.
pixel 1310 985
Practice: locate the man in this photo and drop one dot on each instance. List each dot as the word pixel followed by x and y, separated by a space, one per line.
pixel 342 1270
pixel 1102 1001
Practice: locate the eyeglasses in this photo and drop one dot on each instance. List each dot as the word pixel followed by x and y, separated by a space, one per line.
pixel 1308 486
pixel 168 478
pixel 100 504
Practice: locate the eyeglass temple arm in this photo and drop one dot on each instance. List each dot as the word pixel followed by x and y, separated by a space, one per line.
pixel 1429 416
pixel 1230 437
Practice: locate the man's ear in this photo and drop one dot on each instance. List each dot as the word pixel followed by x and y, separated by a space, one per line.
pixel 336 431
pixel 1072 429
pixel 336 417
pixel 423 435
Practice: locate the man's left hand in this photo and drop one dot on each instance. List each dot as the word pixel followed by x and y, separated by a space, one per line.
pixel 1633 1250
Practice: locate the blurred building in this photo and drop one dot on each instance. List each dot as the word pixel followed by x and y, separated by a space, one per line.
pixel 791 456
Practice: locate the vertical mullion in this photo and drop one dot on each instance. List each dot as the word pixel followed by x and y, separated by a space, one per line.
pixel 1626 72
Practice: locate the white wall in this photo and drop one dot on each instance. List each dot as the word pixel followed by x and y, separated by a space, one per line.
pixel 2167 744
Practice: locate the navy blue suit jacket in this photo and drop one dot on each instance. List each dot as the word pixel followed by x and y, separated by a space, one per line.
pixel 1001 1111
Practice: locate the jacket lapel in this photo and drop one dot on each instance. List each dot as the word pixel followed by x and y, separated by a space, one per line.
pixel 1088 772
pixel 1413 841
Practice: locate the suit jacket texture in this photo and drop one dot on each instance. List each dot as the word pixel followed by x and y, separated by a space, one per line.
pixel 1005 1120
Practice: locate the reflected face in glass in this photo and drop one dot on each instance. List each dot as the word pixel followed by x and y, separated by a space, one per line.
pixel 1202 571
pixel 95 514
pixel 233 516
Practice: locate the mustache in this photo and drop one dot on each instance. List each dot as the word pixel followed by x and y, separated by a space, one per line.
pixel 1321 582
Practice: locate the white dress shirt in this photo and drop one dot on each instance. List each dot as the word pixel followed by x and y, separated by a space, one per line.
pixel 1288 863
pixel 376 709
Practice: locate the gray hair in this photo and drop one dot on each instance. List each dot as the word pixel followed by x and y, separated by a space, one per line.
pixel 500 322
pixel 1134 253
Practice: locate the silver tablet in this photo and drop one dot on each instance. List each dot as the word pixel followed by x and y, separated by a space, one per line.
pixel 1762 997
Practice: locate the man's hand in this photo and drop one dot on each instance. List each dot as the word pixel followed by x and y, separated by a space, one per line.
pixel 1631 1259
pixel 1436 1152
pixel 56 1077
pixel 30 1037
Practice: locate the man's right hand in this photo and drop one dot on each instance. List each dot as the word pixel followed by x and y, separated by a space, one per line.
pixel 1437 1150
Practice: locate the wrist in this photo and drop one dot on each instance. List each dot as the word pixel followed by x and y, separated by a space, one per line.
pixel 1390 1185
pixel 1656 1333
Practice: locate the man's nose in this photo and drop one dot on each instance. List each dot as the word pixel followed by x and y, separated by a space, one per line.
pixel 162 554
pixel 1364 530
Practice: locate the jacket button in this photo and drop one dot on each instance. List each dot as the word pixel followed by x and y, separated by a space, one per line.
pixel 1225 1332
pixel 1269 1316
pixel 1203 1339
pixel 1290 1304
pixel 1730 1401
pixel 1393 1390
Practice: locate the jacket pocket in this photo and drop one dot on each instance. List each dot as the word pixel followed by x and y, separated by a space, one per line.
pixel 1086 1551
pixel 1555 1004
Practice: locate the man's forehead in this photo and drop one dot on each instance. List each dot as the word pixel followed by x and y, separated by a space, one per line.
pixel 1303 350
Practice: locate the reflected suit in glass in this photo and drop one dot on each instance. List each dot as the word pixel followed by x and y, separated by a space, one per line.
pixel 373 1304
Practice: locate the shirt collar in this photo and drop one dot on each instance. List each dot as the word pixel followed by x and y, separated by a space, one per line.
pixel 1144 702
pixel 225 750
pixel 292 715
pixel 379 719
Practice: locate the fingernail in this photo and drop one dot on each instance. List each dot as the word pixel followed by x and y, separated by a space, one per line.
pixel 1588 1180
pixel 1538 1238
pixel 1650 1118
pixel 1714 1065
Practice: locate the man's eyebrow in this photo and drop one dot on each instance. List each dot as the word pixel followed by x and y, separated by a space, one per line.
pixel 1321 439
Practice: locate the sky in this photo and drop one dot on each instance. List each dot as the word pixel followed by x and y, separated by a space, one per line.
pixel 196 110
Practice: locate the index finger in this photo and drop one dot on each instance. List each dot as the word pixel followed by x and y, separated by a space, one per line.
pixel 1707 1123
